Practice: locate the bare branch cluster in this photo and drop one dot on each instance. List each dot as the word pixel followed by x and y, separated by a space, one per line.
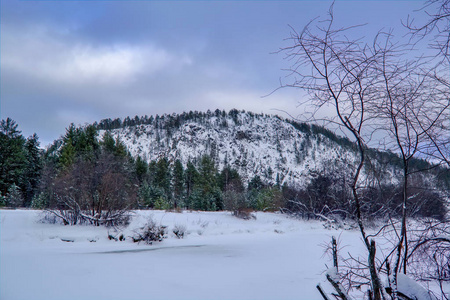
pixel 98 193
pixel 380 88
pixel 438 12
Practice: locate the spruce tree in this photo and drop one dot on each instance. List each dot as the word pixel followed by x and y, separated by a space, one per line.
pixel 12 156
pixel 67 151
pixel 178 183
pixel 108 143
pixel 162 177
pixel 14 196
pixel 32 170
pixel 191 180
pixel 141 168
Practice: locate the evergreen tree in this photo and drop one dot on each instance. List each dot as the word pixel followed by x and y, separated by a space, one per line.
pixel 2 200
pixel 269 199
pixel 208 179
pixel 178 183
pixel 141 168
pixel 79 143
pixel 255 186
pixel 151 196
pixel 162 177
pixel 12 156
pixel 208 184
pixel 108 143
pixel 67 152
pixel 40 201
pixel 88 144
pixel 14 196
pixel 229 178
pixel 152 172
pixel 192 178
pixel 196 199
pixel 121 149
pixel 32 170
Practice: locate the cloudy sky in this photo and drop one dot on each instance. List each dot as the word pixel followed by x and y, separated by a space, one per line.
pixel 78 62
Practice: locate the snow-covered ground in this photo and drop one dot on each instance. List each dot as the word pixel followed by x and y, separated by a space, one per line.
pixel 221 257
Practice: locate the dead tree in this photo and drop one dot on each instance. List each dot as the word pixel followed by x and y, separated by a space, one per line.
pixel 436 32
pixel 338 72
pixel 437 25
pixel 372 88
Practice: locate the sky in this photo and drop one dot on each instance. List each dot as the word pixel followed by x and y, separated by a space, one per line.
pixel 79 62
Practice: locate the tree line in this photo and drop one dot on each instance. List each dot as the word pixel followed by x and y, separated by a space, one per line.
pixel 83 177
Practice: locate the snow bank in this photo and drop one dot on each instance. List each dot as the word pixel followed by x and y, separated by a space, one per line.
pixel 221 257
pixel 412 289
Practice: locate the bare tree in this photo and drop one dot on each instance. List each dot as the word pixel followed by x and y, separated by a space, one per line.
pixel 338 72
pixel 436 32
pixel 438 12
pixel 98 192
pixel 410 110
pixel 373 88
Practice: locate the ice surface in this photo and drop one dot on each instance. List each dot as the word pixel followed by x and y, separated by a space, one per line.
pixel 222 257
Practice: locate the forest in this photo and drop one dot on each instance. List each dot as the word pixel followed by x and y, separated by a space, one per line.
pixel 97 177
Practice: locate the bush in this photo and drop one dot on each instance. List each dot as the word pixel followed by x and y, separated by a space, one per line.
pixel 150 233
pixel 161 204
pixel 269 199
pixel 245 214
pixel 179 231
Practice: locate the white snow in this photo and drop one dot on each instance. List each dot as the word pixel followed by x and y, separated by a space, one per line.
pixel 221 257
pixel 412 288
pixel 259 145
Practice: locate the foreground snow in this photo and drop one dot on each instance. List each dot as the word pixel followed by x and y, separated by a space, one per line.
pixel 221 257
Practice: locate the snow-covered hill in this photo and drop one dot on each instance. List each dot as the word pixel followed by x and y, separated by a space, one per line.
pixel 254 144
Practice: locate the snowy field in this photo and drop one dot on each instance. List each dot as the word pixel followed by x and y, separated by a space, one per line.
pixel 221 257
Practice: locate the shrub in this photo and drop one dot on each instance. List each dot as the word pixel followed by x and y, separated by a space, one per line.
pixel 245 214
pixel 179 231
pixel 161 204
pixel 150 233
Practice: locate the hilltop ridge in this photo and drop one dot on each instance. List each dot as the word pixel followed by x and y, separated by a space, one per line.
pixel 278 150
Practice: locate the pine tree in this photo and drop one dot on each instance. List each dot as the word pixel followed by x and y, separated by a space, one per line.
pixel 121 149
pixel 255 187
pixel 145 195
pixel 207 174
pixel 32 170
pixel 141 168
pixel 39 201
pixel 2 200
pixel 14 196
pixel 67 152
pixel 229 178
pixel 12 155
pixel 108 143
pixel 208 185
pixel 178 183
pixel 162 177
pixel 192 178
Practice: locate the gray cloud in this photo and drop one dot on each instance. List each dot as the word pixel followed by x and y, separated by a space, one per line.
pixel 83 61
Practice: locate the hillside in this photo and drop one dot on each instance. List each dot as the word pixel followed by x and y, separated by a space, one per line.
pixel 278 150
